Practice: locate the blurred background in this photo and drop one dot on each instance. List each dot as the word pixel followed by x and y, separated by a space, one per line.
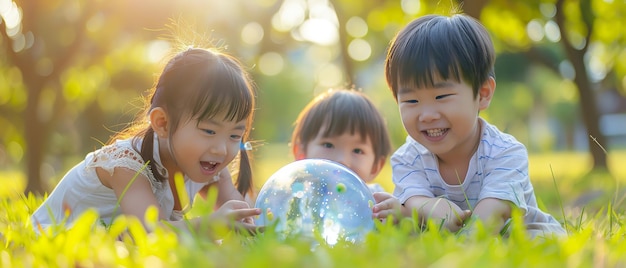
pixel 72 73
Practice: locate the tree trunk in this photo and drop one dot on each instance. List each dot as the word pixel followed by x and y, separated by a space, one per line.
pixel 35 139
pixel 343 44
pixel 588 102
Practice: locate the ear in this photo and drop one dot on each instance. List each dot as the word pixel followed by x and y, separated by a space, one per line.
pixel 298 151
pixel 485 93
pixel 158 122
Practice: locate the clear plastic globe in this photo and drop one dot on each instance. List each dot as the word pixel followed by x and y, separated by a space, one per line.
pixel 316 197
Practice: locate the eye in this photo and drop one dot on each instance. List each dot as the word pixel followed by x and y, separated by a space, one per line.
pixel 235 137
pixel 358 151
pixel 410 101
pixel 327 145
pixel 208 131
pixel 442 96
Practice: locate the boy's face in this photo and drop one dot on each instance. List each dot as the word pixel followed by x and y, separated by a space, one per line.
pixel 444 118
pixel 347 149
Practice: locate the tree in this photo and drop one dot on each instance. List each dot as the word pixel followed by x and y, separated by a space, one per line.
pixel 580 26
pixel 51 46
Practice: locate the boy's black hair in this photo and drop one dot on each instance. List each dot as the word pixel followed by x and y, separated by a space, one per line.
pixel 454 47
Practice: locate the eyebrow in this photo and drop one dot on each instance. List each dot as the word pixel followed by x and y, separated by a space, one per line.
pixel 219 124
pixel 436 85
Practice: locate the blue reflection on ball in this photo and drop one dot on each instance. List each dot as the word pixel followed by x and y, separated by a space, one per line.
pixel 316 196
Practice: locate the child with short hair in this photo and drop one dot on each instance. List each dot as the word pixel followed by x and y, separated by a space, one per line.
pixel 454 164
pixel 344 126
pixel 199 115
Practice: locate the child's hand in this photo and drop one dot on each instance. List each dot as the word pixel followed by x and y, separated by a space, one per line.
pixel 456 218
pixel 239 216
pixel 386 205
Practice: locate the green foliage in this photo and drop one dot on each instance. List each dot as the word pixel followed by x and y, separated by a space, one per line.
pixel 126 243
pixel 595 238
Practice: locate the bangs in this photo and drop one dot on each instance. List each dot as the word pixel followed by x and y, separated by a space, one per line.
pixel 434 48
pixel 341 112
pixel 422 63
pixel 343 118
pixel 344 115
pixel 226 91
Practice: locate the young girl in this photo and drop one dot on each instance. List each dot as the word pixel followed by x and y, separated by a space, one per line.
pixel 344 126
pixel 199 115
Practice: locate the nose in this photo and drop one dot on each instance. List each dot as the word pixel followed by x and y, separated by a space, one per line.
pixel 342 158
pixel 428 113
pixel 218 148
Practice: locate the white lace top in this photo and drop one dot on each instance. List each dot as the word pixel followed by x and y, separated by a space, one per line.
pixel 80 189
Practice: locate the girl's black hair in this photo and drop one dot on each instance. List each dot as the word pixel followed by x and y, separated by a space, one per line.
pixel 200 84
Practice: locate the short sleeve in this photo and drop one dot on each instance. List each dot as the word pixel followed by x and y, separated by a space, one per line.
pixel 121 155
pixel 506 175
pixel 409 173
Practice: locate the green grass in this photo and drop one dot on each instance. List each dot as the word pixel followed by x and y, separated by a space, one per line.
pixel 596 235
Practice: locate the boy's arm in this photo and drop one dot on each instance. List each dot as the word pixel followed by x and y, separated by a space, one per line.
pixel 493 213
pixel 435 208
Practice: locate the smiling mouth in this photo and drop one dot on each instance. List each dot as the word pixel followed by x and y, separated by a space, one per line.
pixel 209 166
pixel 435 132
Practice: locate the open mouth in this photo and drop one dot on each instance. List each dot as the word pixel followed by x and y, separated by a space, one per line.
pixel 209 166
pixel 435 132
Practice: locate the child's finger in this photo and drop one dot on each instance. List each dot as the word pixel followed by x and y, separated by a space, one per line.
pixel 239 214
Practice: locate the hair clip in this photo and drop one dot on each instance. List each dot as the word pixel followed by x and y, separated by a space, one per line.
pixel 245 146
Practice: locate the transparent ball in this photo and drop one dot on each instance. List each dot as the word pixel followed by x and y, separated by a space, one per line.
pixel 313 197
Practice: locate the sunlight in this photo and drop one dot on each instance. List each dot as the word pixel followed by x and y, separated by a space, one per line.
pixel 552 31
pixel 157 50
pixel 356 27
pixel 11 14
pixel 252 33
pixel 359 50
pixel 596 61
pixel 534 30
pixel 319 31
pixel 411 7
pixel 290 15
pixel 320 27
pixel 271 63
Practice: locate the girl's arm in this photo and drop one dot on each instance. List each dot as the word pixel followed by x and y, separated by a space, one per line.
pixel 435 208
pixel 232 215
pixel 138 197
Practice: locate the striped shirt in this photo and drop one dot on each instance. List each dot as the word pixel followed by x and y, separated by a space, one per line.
pixel 498 169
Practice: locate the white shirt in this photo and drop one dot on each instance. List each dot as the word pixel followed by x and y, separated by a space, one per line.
pixel 498 169
pixel 80 189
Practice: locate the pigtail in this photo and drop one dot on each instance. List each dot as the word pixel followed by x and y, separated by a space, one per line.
pixel 147 153
pixel 244 178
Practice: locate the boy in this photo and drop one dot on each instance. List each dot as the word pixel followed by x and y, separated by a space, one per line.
pixel 454 164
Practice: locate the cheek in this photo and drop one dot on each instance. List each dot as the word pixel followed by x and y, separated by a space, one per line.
pixel 407 116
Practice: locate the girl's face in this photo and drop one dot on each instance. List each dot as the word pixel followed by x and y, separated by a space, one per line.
pixel 444 118
pixel 202 149
pixel 349 150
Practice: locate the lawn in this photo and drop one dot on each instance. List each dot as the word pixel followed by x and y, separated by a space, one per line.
pixel 591 211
